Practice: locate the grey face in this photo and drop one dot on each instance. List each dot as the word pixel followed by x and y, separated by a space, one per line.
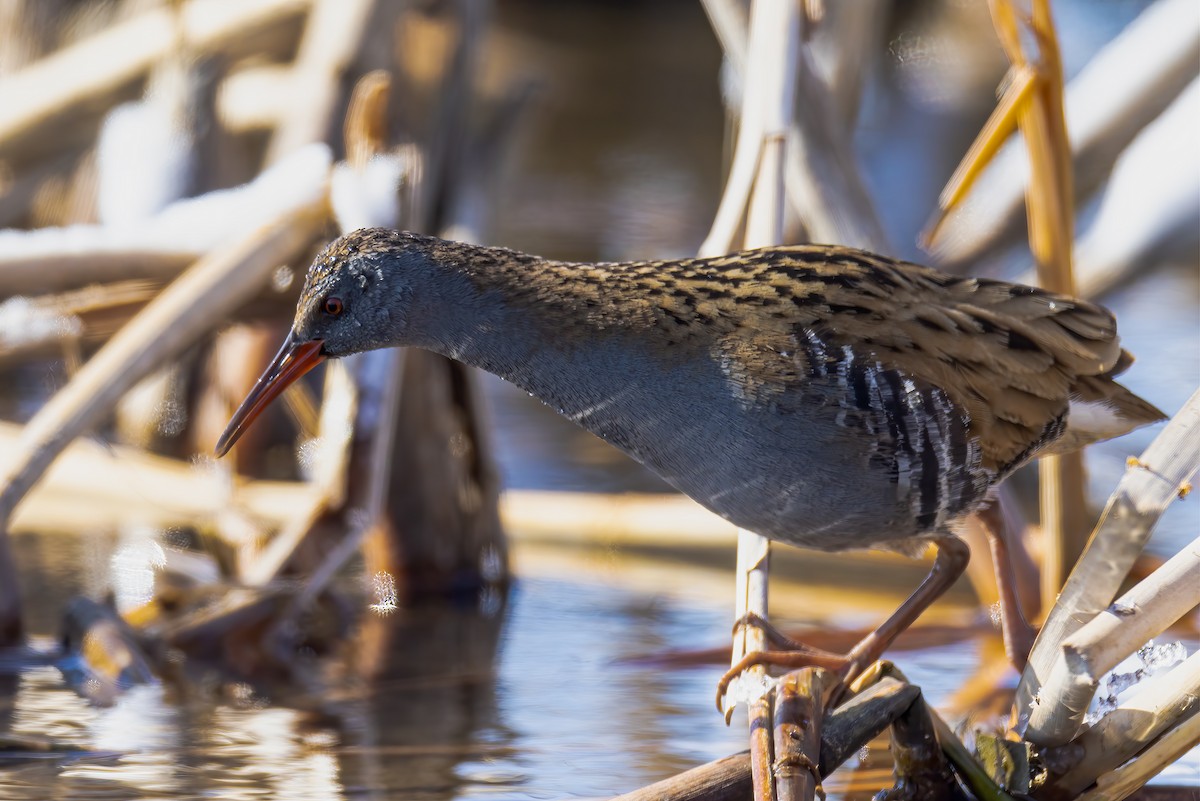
pixel 353 301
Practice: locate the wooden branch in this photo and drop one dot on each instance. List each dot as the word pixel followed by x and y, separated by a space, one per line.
pixel 92 74
pixel 1149 485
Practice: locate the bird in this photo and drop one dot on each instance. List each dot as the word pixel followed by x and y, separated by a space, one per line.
pixel 818 395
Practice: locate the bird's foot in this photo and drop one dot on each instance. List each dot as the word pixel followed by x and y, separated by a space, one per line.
pixel 774 636
pixel 796 656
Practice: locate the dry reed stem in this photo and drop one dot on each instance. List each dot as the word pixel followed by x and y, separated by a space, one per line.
pixel 57 259
pixel 91 73
pixel 754 191
pixel 175 319
pixel 93 486
pixel 1000 125
pixel 55 320
pixel 821 173
pixel 922 770
pixel 967 766
pixel 1150 484
pixel 1050 210
pixel 1124 87
pixel 1162 702
pixel 345 383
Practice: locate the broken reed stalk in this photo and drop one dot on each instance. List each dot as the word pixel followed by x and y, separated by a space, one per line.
pixel 844 732
pixel 160 248
pixel 967 766
pixel 56 319
pixel 800 706
pixel 1051 214
pixel 175 319
pixel 333 33
pixel 347 381
pixel 1162 703
pixel 1151 482
pixel 821 173
pixel 91 485
pixel 921 768
pixel 91 74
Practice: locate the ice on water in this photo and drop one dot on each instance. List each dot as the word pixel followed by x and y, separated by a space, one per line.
pixel 1150 659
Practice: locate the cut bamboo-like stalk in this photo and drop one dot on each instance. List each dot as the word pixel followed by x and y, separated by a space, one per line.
pixel 1141 614
pixel 821 174
pixel 1149 485
pixel 1162 702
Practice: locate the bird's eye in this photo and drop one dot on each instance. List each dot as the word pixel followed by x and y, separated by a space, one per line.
pixel 332 306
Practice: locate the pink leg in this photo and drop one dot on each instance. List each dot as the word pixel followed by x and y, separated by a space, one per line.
pixel 1018 634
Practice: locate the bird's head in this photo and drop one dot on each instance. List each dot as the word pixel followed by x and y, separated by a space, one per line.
pixel 357 296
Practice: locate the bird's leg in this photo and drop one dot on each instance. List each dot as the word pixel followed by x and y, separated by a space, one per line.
pixel 1018 634
pixel 951 561
pixel 952 557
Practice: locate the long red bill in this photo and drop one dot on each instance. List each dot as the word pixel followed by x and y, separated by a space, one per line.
pixel 293 360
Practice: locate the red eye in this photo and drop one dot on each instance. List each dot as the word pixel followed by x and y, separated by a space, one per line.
pixel 332 306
